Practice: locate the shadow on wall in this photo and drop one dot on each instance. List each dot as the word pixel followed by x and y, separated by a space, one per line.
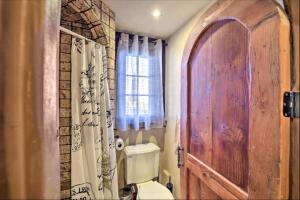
pixel 131 137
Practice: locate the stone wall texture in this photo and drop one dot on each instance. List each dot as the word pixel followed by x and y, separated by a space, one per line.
pixel 96 22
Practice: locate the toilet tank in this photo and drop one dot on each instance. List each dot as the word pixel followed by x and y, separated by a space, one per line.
pixel 141 162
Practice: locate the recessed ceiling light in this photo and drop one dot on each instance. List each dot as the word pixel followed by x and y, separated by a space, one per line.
pixel 156 13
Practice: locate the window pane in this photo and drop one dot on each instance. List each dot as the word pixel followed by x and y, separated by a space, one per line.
pixel 143 66
pixel 131 85
pixel 131 65
pixel 143 105
pixel 131 105
pixel 143 86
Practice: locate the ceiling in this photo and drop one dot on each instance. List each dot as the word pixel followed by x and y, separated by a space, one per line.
pixel 135 16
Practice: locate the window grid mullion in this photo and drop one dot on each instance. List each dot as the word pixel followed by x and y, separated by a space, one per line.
pixel 137 72
pixel 137 76
pixel 143 95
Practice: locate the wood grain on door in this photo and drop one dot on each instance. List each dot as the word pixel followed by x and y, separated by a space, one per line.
pixel 235 69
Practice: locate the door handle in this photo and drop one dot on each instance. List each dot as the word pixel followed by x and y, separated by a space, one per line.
pixel 179 162
pixel 57 134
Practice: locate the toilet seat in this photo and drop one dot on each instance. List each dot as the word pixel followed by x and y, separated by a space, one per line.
pixel 153 190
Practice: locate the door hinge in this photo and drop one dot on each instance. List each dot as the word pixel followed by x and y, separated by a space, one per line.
pixel 291 103
pixel 179 161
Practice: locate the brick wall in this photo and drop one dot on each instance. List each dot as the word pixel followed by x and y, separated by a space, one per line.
pixel 74 22
pixel 65 114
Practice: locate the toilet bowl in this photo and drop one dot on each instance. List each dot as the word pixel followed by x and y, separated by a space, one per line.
pixel 153 190
pixel 141 167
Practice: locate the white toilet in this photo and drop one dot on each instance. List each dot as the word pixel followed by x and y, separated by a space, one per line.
pixel 141 166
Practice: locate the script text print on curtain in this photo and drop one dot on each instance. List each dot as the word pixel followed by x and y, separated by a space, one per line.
pixel 140 87
pixel 93 164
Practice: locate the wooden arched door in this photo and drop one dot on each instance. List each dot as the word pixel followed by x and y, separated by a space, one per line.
pixel 235 70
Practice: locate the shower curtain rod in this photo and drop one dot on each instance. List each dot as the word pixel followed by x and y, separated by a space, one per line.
pixel 74 34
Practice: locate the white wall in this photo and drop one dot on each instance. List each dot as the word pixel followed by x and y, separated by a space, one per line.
pixel 174 51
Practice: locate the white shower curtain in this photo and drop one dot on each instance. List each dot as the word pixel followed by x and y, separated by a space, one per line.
pixel 93 164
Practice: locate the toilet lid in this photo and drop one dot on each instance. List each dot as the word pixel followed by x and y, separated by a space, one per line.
pixel 153 190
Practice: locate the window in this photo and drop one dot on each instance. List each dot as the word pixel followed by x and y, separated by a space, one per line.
pixel 137 86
